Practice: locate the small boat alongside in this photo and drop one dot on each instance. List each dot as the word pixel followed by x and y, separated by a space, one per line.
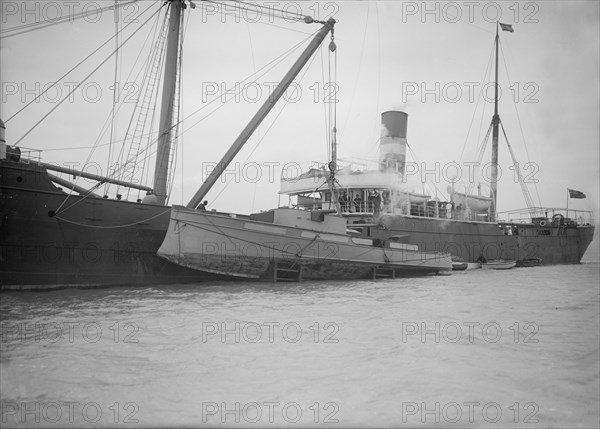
pixel 288 244
pixel 529 262
pixel 473 266
pixel 459 264
pixel 498 264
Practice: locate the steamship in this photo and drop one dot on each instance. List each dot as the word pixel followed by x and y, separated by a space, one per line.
pixel 465 225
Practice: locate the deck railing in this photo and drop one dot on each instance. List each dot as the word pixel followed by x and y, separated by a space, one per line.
pixel 570 216
pixel 31 155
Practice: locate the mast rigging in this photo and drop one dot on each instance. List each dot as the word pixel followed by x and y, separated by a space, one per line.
pixel 261 114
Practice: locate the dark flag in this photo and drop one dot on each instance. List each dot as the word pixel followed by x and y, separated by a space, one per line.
pixel 506 27
pixel 575 194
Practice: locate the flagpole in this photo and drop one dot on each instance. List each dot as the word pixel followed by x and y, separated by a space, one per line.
pixel 567 203
pixel 495 124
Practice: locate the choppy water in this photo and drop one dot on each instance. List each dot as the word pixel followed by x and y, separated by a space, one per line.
pixel 517 348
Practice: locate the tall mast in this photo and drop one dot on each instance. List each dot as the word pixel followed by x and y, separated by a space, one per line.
pixel 261 114
pixel 495 123
pixel 163 150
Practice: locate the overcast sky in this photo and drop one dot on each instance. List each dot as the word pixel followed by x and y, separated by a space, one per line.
pixel 428 59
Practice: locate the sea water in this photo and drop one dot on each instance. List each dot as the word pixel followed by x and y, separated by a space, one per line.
pixel 483 348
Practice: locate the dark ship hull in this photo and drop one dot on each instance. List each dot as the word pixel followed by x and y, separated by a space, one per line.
pixel 553 243
pixel 102 242
pixel 88 242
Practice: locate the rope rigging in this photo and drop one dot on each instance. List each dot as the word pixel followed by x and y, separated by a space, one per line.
pixel 108 121
pixel 114 118
pixel 228 97
pixel 144 110
pixel 524 189
pixel 136 154
pixel 483 143
pixel 118 171
pixel 82 82
pixel 39 25
pixel 285 103
pixel 487 73
pixel 270 11
pixel 116 36
pixel 520 124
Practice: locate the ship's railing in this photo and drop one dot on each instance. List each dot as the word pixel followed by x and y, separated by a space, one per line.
pixel 363 207
pixel 416 209
pixel 29 155
pixel 570 217
pixel 517 216
pixel 20 154
pixel 446 211
pixel 535 215
pixel 358 207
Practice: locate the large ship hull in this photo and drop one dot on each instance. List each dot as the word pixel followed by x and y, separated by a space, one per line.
pixel 50 239
pixel 553 244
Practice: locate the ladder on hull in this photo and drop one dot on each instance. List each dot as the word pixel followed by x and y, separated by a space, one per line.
pixel 284 271
pixel 384 273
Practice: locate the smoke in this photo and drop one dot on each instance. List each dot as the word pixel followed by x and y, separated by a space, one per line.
pixel 400 107
pixel 384 131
